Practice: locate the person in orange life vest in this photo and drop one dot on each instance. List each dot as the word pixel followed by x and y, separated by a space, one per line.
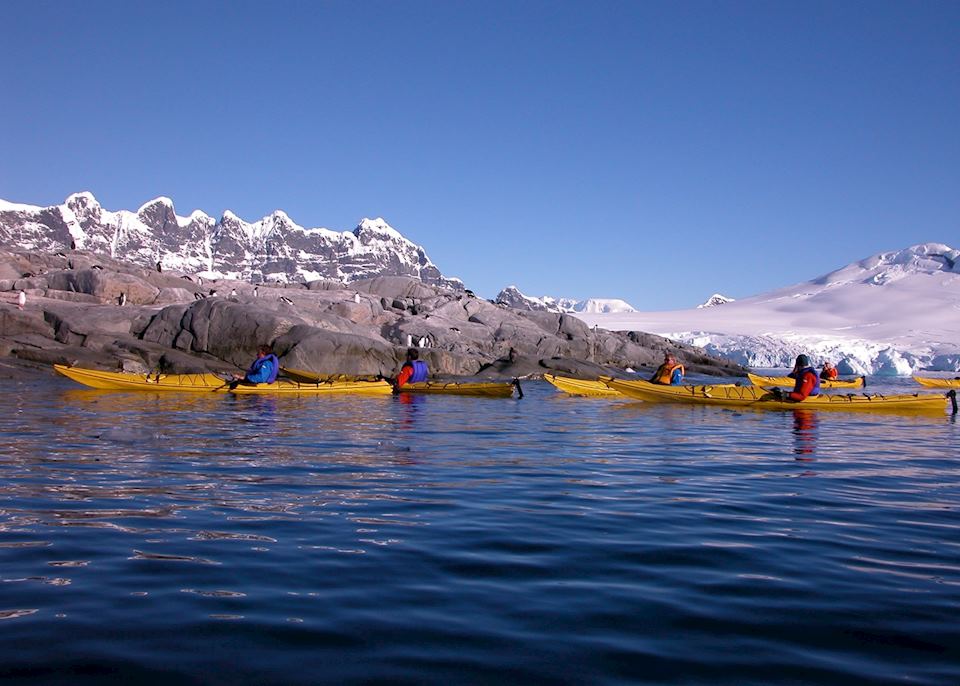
pixel 829 372
pixel 414 370
pixel 670 373
pixel 807 381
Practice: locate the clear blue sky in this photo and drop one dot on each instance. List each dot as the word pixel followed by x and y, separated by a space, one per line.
pixel 656 152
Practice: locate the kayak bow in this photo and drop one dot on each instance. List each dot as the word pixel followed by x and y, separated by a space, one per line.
pixel 934 382
pixel 581 386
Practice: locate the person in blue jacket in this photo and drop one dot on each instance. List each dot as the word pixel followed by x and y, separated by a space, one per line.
pixel 414 370
pixel 263 370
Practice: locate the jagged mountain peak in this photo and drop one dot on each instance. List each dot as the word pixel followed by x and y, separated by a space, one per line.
pixel 278 220
pixel 160 200
pixel 377 227
pixel 715 300
pixel 513 297
pixel 197 216
pixel 274 248
pixel 82 206
pixel 158 213
pixel 82 199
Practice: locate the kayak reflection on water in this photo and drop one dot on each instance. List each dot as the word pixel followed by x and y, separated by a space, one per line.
pixel 804 433
pixel 410 400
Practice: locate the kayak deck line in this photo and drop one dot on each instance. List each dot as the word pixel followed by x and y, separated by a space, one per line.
pixel 788 382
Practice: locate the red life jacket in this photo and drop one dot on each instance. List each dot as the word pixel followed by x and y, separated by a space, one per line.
pixel 798 385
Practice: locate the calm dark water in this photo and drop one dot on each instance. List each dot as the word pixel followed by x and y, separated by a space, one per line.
pixel 252 540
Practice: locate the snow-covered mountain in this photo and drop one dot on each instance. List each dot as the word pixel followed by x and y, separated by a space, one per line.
pixel 603 305
pixel 274 248
pixel 892 313
pixel 512 297
pixel 714 300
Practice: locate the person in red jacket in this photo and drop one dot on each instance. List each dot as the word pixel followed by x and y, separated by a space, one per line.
pixel 807 381
pixel 829 372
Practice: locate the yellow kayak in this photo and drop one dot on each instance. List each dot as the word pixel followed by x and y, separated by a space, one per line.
pixel 756 397
pixel 483 389
pixel 581 386
pixel 94 378
pixel 284 386
pixel 211 383
pixel 787 382
pixel 933 382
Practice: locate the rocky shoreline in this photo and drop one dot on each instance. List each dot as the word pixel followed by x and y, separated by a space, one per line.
pixel 86 309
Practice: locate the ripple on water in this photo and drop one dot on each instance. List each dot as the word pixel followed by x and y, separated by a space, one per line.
pixel 165 557
pixel 548 540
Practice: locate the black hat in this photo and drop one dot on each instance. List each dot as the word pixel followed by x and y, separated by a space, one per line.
pixel 803 361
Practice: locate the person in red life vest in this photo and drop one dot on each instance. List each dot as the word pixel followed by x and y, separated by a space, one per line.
pixel 414 370
pixel 807 381
pixel 263 370
pixel 829 372
pixel 670 373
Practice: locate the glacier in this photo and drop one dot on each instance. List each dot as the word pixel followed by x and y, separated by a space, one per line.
pixel 892 313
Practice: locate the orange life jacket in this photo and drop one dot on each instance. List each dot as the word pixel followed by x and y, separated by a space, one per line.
pixel 665 373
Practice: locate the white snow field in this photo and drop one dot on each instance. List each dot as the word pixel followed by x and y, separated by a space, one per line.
pixel 893 313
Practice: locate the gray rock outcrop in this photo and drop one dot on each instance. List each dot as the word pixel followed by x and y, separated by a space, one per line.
pixel 88 309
